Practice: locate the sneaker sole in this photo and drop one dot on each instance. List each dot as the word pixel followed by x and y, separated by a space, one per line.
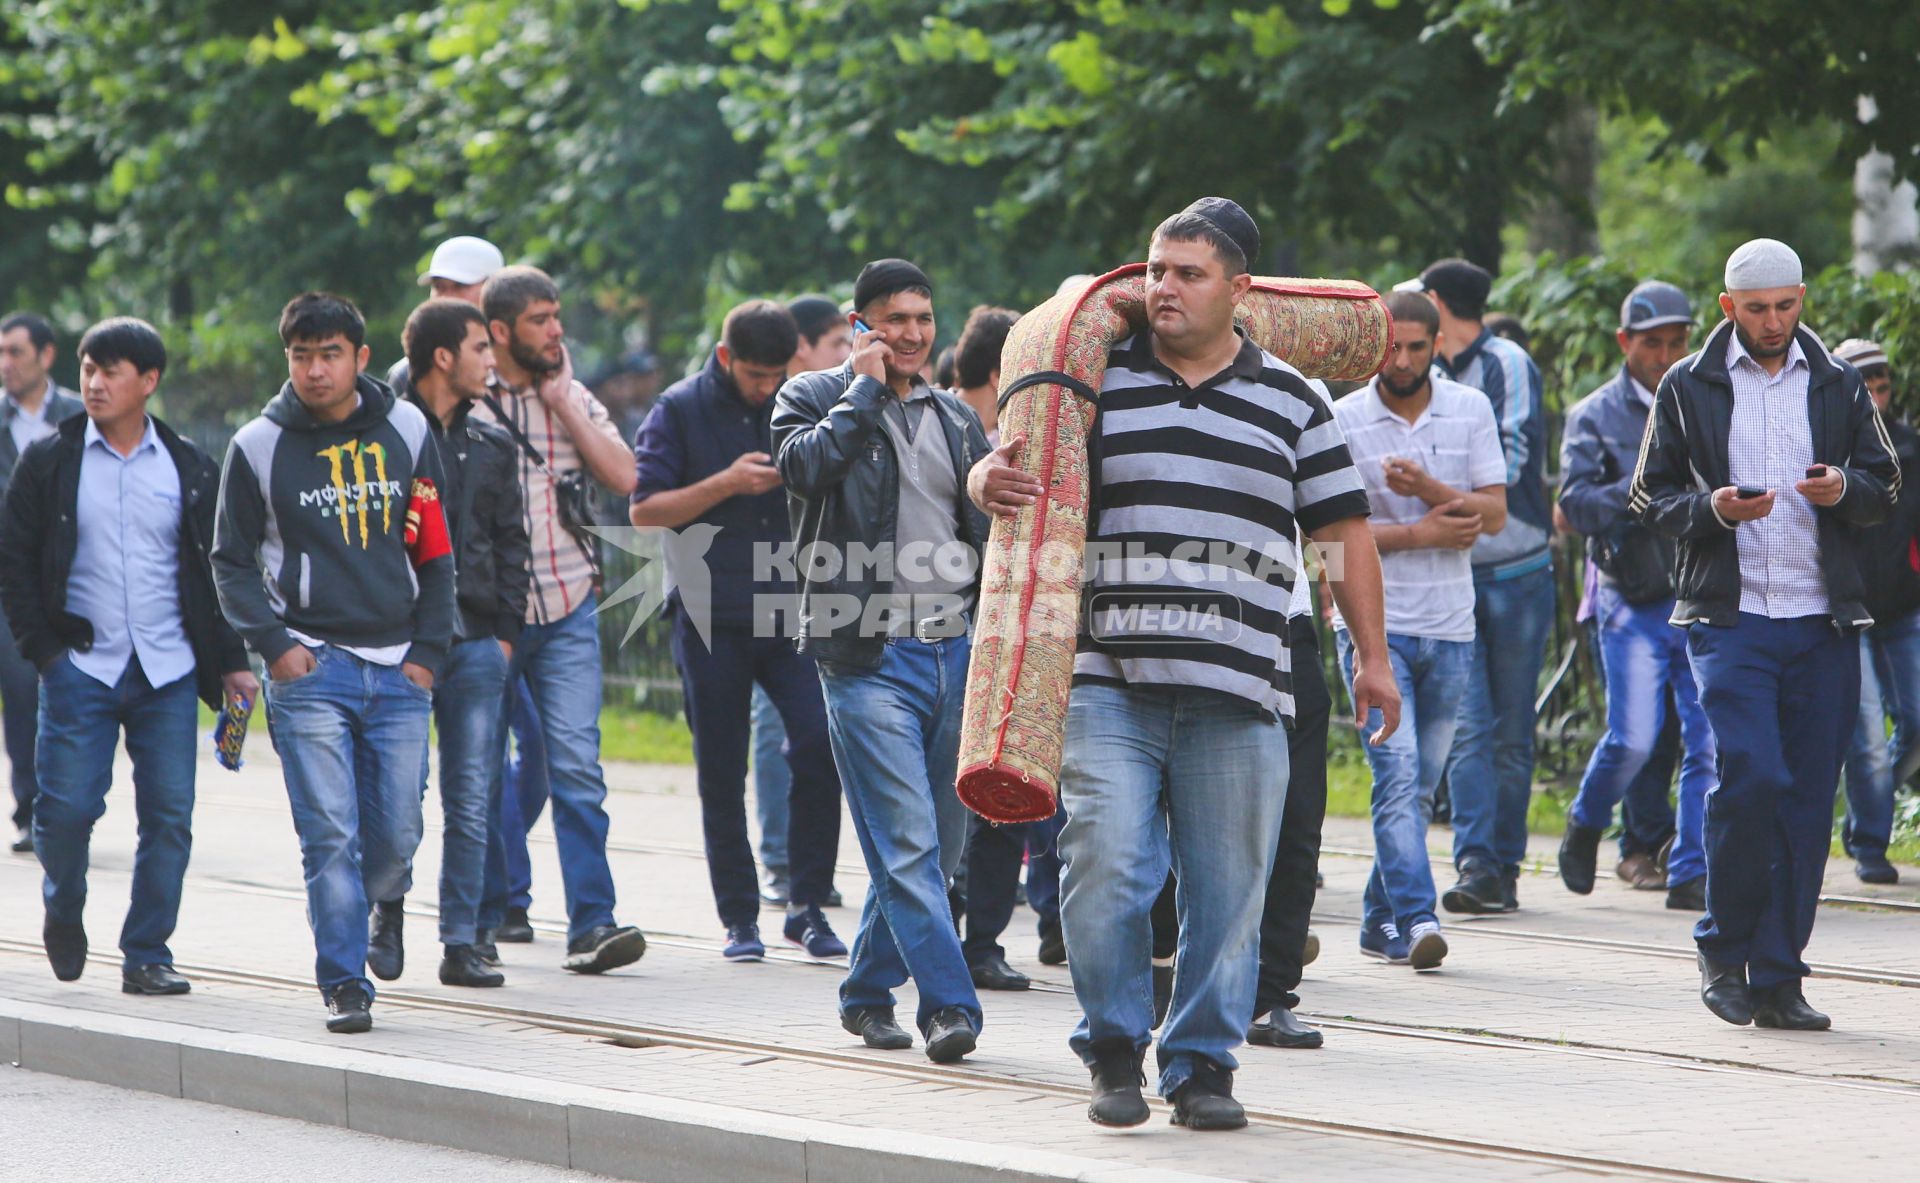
pixel 1181 1119
pixel 621 950
pixel 1130 1122
pixel 1460 903
pixel 1380 956
pixel 355 1025
pixel 1427 952
pixel 760 956
pixel 816 956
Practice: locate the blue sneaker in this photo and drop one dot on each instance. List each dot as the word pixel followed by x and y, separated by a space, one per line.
pixel 743 943
pixel 811 932
pixel 1383 942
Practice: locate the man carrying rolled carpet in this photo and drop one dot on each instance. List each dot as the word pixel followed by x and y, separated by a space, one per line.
pixel 1182 696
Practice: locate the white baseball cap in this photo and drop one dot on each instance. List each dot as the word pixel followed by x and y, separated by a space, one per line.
pixel 464 259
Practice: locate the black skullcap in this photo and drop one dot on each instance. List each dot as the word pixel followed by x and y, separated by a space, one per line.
pixel 1461 283
pixel 883 277
pixel 1229 219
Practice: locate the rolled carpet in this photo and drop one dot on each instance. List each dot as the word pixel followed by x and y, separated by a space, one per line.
pixel 1014 725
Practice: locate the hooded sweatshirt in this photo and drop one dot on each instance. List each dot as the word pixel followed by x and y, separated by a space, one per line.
pixel 311 534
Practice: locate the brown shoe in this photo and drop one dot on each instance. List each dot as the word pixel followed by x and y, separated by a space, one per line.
pixel 1640 872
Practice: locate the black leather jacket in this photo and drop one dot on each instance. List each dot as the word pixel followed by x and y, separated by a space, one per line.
pixel 1683 459
pixel 843 490
pixel 40 534
pixel 484 515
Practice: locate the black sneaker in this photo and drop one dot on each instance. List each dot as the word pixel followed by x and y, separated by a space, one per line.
pixel 1053 943
pixel 607 947
pixel 349 1011
pixel 1579 857
pixel 876 1027
pixel 744 943
pixel 516 929
pixel 386 954
pixel 461 966
pixel 810 931
pixel 950 1035
pixel 1117 1079
pixel 1204 1101
pixel 1479 891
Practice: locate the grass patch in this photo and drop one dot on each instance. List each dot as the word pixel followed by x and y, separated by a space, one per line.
pixel 644 737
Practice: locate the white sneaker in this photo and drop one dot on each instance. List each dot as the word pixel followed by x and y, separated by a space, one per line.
pixel 1426 948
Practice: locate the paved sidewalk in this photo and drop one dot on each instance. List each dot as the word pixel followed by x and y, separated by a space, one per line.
pixel 1594 1049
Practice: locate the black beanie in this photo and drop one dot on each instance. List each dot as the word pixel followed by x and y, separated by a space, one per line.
pixel 883 277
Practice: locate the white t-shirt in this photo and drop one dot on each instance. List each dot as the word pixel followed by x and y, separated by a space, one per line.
pixel 1429 591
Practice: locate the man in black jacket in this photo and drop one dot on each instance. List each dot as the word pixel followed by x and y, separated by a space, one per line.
pixel 450 356
pixel 1763 459
pixel 1890 650
pixel 875 463
pixel 104 576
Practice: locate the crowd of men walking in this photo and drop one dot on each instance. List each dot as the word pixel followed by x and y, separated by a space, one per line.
pixel 421 549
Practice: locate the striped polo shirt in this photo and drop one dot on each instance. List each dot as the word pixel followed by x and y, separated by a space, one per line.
pixel 1193 556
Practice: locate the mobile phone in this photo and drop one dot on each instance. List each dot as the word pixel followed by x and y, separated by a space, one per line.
pixel 860 326
pixel 1816 472
pixel 1749 492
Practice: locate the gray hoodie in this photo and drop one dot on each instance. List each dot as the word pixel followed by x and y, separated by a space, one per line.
pixel 311 530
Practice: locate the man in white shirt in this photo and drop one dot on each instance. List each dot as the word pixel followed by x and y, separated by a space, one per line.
pixel 1428 449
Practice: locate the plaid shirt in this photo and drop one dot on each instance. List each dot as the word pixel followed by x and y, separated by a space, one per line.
pixel 560 570
pixel 1770 445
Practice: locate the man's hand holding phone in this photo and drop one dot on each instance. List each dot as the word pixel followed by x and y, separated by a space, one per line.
pixel 1823 485
pixel 870 352
pixel 1743 503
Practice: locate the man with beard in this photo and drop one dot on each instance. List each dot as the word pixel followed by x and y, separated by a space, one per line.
pixel 1643 658
pixel 565 436
pixel 1764 459
pixel 1176 753
pixel 1429 451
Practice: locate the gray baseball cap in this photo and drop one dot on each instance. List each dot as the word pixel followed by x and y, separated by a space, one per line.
pixel 1653 304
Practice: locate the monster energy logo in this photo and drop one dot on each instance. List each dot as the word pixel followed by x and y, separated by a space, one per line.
pixel 353 498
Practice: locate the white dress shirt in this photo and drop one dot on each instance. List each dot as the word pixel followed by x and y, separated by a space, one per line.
pixel 1770 445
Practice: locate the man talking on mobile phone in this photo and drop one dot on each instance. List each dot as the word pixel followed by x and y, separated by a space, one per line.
pixel 1768 587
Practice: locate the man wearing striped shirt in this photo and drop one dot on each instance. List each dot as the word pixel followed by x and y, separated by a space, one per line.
pixel 1211 450
pixel 560 430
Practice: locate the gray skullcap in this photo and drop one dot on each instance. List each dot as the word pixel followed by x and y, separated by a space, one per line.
pixel 1763 263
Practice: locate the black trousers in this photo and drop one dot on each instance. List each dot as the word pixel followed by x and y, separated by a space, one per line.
pixel 1296 860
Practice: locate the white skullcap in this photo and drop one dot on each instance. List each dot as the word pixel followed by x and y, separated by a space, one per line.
pixel 1861 353
pixel 1763 263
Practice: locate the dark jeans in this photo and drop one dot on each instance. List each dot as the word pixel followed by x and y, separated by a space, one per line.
pixel 80 723
pixel 718 685
pixel 20 703
pixel 1782 696
pixel 515 808
pixel 993 872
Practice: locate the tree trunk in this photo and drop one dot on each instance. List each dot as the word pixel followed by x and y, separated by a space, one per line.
pixel 1562 220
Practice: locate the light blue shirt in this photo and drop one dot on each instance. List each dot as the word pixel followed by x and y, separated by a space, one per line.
pixel 126 567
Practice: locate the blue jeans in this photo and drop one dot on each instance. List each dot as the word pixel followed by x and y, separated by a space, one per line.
pixel 560 661
pixel 80 722
pixel 1432 676
pixel 1156 778
pixel 896 739
pixel 1646 815
pixel 1889 685
pixel 1645 658
pixel 352 737
pixel 514 809
pixel 466 709
pixel 20 698
pixel 772 781
pixel 1490 775
pixel 1783 696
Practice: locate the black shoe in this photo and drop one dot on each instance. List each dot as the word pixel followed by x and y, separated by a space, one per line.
pixel 875 1027
pixel 1283 1030
pixel 1510 890
pixel 993 973
pixel 1053 944
pixel 1116 1084
pixel 386 955
pixel 1479 891
pixel 461 966
pixel 515 929
pixel 22 842
pixel 484 948
pixel 1784 1007
pixel 1690 896
pixel 349 1011
pixel 153 979
pixel 1869 866
pixel 1579 857
pixel 1724 989
pixel 604 948
pixel 1162 993
pixel 1205 1100
pixel 950 1035
pixel 66 949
